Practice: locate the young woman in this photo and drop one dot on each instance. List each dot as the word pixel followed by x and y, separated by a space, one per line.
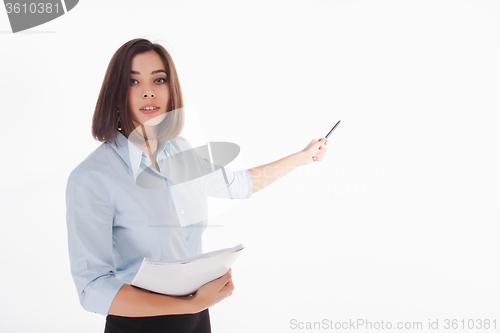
pixel 122 204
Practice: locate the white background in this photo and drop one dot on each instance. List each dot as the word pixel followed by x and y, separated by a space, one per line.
pixel 400 222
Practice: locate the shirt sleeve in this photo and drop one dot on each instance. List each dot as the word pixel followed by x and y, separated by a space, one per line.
pixel 89 218
pixel 238 186
pixel 223 182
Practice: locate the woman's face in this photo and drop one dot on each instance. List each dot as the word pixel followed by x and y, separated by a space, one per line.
pixel 149 95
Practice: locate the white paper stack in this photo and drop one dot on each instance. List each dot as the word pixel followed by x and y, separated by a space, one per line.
pixel 184 277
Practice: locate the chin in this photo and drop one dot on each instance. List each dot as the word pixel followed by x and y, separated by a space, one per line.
pixel 155 120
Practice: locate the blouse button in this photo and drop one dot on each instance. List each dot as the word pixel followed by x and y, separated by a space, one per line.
pixel 182 211
pixel 188 238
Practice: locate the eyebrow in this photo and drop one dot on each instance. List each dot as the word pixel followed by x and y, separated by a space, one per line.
pixel 153 72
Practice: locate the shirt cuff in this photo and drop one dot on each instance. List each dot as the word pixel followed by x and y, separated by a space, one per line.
pixel 250 184
pixel 100 293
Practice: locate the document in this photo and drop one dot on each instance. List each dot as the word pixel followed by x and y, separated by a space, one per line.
pixel 184 277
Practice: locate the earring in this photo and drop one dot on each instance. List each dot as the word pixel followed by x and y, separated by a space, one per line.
pixel 118 124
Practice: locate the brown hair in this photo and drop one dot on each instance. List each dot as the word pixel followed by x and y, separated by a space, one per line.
pixel 115 88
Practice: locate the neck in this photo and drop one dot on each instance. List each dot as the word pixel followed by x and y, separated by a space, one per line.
pixel 146 140
pixel 151 146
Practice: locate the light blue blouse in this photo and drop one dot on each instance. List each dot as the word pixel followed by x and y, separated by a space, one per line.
pixel 113 223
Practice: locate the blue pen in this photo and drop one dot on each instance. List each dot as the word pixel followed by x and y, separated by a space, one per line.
pixel 326 137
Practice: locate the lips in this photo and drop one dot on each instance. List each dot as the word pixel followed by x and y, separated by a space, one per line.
pixel 149 108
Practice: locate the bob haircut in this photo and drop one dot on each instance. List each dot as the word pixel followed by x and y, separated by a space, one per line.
pixel 114 93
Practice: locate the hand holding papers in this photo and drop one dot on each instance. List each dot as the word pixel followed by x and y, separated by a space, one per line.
pixel 184 277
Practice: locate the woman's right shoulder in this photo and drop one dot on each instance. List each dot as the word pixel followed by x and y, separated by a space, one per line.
pixel 94 164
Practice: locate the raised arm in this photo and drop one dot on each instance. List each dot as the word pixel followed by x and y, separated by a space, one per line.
pixel 265 175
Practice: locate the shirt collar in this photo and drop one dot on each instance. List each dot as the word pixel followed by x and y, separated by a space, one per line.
pixel 136 155
pixel 133 155
pixel 121 148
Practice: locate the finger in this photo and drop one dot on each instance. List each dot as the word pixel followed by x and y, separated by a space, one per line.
pixel 221 281
pixel 225 279
pixel 320 153
pixel 228 287
pixel 229 284
pixel 320 142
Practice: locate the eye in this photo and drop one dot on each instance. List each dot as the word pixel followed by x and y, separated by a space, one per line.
pixel 132 82
pixel 161 78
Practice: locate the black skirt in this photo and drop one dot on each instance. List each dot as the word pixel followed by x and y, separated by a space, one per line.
pixel 182 323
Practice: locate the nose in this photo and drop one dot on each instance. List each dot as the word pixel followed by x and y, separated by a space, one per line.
pixel 148 93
